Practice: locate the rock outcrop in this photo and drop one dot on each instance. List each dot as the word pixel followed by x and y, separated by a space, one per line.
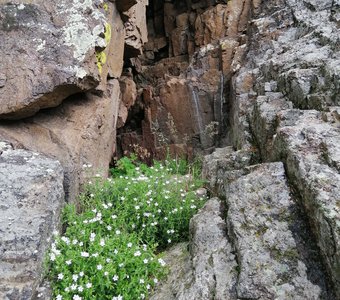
pixel 260 79
pixel 292 108
pixel 36 71
pixel 60 96
pixel 79 133
pixel 68 55
pixel 31 198
pixel 192 52
pixel 258 252
pixel 279 174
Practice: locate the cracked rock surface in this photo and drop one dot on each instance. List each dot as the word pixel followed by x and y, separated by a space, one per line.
pixel 31 197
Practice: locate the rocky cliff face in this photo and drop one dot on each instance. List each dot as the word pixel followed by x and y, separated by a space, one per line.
pixel 283 107
pixel 259 79
pixel 60 64
pixel 192 52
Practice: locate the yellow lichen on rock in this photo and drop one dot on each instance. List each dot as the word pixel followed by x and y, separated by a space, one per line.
pixel 101 55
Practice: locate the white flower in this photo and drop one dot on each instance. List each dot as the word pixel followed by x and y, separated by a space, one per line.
pixel 81 274
pixel 80 289
pixel 137 253
pixel 95 255
pixel 99 267
pixel 60 276
pixel 106 273
pixel 76 297
pixel 148 286
pixel 59 297
pixel 92 236
pixel 102 242
pixel 109 227
pixel 75 277
pixel 88 285
pixel 169 241
pixel 117 232
pixel 84 254
pixel 137 207
pixel 114 217
pixel 162 262
pixel 52 257
pixel 119 297
pixel 65 240
pixel 155 280
pixel 68 262
pixel 115 252
pixel 145 261
pixel 142 296
pixel 141 281
pixel 115 278
pixel 129 245
pixel 108 260
pixel 56 251
pixel 73 287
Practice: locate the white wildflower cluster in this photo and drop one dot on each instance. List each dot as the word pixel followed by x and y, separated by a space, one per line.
pixel 105 240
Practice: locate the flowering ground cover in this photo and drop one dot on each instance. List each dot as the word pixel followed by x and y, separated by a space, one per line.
pixel 112 246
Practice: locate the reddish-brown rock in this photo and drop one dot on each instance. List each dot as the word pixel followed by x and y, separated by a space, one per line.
pixel 80 132
pixel 50 50
pixel 136 29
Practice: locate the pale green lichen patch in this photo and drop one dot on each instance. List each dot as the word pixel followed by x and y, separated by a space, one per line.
pixel 77 33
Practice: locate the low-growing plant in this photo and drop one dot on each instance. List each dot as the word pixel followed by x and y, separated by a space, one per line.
pixel 111 249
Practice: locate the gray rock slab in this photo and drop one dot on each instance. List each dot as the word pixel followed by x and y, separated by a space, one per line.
pixel 260 218
pixel 307 145
pixel 225 165
pixel 31 197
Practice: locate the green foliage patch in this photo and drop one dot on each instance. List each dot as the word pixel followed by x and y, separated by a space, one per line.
pixel 112 248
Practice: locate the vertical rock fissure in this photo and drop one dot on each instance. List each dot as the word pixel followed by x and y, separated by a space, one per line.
pixel 197 112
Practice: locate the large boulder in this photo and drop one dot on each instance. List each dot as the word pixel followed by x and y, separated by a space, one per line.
pixel 31 198
pixel 50 50
pixel 262 219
